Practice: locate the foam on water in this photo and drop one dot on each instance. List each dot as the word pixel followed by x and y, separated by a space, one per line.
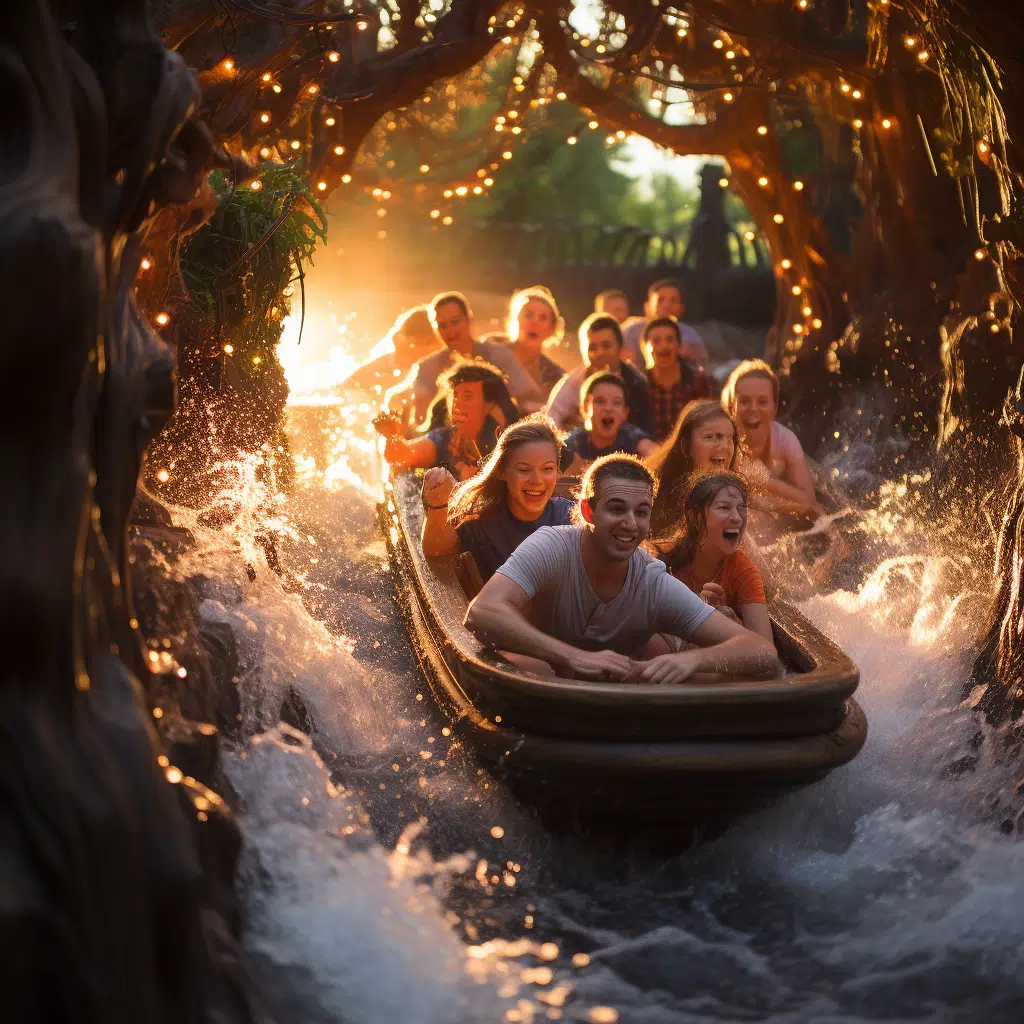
pixel 379 887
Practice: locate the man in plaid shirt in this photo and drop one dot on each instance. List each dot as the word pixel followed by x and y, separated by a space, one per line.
pixel 672 382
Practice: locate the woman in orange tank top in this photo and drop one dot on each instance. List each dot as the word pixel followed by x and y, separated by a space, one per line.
pixel 707 555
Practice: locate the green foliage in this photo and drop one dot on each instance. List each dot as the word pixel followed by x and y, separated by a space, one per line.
pixel 247 301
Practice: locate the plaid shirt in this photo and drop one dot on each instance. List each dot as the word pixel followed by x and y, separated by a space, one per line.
pixel 668 403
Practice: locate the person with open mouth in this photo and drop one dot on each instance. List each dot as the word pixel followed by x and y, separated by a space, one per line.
pixel 533 323
pixel 604 400
pixel 707 556
pixel 672 381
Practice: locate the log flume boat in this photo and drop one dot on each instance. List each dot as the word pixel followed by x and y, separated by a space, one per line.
pixel 703 750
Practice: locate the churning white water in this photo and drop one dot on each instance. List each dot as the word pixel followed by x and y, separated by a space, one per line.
pixel 388 879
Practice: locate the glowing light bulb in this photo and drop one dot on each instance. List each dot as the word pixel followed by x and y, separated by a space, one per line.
pixel 718 44
pixel 571 140
pixel 591 124
pixel 488 182
pixel 983 147
pixel 922 56
pixel 162 319
pixel 845 87
pixel 762 129
pixel 146 263
pixel 330 122
pixel 560 96
pixel 265 152
pixel 886 123
pixel 786 264
pixel 723 182
pixel 728 97
pixel 229 349
pixel 448 193
pixel 802 4
pixel 477 190
pixel 424 168
pixel 446 221
pixel 796 289
pixel 266 76
pixel 163 476
pixel 507 155
pixel 980 254
pixel 255 184
pixel 806 311
pixel 256 360
pixel 816 323
pixel 748 235
pixel 295 144
pixel 346 178
pixel 730 54
pixel 910 42
pixel 798 185
pixel 277 88
pixel 334 56
pixel 339 150
pixel 778 218
pixel 321 186
pixel 856 94
pixel 362 26
pixel 858 123
pixel 435 213
pixel 763 182
pixel 313 90
pixel 461 190
pixel 227 64
pixel 265 118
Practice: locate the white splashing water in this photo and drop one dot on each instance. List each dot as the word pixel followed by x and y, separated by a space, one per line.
pixel 883 893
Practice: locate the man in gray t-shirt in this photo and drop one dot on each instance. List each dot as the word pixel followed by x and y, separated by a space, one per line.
pixel 584 601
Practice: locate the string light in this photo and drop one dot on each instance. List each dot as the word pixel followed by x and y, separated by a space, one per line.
pixel 886 123
pixel 980 254
pixel 786 264
pixel 334 56
pixel 856 94
pixel 763 182
pixel 256 360
pixel 778 218
pixel 446 221
pixel 728 97
pixel 922 56
pixel 477 190
pixel 748 235
pixel 362 26
pixel 448 193
pixel 255 184
pixel 424 168
pixel 339 150
pixel 162 319
pixel 718 44
pixel 265 118
pixel 796 289
pixel 723 182
pixel 163 476
pixel 229 348
pixel 983 147
pixel 798 186
pixel 321 186
pixel 146 263
pixel 461 190
pixel 267 76
pixel 816 323
pixel 762 129
pixel 730 54
pixel 346 178
pixel 591 124
pixel 265 152
pixel 845 87
pixel 507 155
pixel 488 182
pixel 330 122
pixel 227 64
pixel 313 90
pixel 910 42
pixel 277 88
pixel 802 4
pixel 435 213
pixel 295 144
pixel 858 123
pixel 560 96
pixel 571 140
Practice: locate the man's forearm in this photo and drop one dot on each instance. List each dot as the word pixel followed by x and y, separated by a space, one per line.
pixel 502 625
pixel 739 656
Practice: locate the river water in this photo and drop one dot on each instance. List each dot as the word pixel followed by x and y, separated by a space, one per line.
pixel 387 878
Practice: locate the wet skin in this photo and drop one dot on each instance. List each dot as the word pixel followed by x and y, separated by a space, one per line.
pixel 711 445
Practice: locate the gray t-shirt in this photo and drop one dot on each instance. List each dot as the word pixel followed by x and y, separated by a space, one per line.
pixel 520 384
pixel 549 567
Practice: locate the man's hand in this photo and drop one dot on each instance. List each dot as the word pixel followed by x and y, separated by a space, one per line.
pixel 670 668
pixel 438 485
pixel 601 665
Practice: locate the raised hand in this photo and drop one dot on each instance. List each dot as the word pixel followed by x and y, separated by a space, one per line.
pixel 438 485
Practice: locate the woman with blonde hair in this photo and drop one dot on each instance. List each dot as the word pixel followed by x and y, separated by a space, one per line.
pixel 534 320
pixel 492 513
pixel 704 438
pixel 751 398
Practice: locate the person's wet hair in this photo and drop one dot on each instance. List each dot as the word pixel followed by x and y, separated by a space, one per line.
pixel 598 322
pixel 446 298
pixel 518 302
pixel 468 371
pixel 673 464
pixel 694 514
pixel 756 368
pixel 613 467
pixel 602 377
pixel 479 494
